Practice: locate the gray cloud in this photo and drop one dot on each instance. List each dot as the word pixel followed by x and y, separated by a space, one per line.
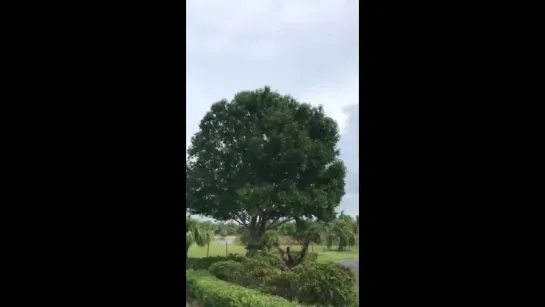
pixel 349 146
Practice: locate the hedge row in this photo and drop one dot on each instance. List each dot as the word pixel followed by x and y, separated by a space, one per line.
pixel 212 292
pixel 205 263
pixel 312 283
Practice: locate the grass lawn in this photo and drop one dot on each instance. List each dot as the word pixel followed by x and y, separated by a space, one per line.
pixel 217 249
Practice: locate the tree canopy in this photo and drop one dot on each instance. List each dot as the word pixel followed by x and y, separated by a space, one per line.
pixel 262 159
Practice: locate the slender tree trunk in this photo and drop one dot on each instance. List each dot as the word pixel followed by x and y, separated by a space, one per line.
pixel 253 244
pixel 256 234
pixel 208 249
pixel 341 244
pixel 187 257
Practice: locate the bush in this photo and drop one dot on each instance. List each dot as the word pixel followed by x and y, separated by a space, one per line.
pixel 273 260
pixel 227 270
pixel 251 273
pixel 322 284
pixel 205 263
pixel 326 284
pixel 282 285
pixel 208 291
pixel 256 271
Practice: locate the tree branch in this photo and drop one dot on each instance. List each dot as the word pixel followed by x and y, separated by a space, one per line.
pixel 241 220
pixel 272 225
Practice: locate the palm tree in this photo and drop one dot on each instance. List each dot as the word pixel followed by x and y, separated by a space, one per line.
pixel 208 236
pixel 193 235
pixel 341 230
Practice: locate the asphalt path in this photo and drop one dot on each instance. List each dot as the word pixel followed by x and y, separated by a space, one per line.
pixel 354 265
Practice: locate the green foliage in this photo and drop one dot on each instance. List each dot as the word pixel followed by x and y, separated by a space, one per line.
pixel 269 239
pixel 326 284
pixel 287 229
pixel 195 233
pixel 228 270
pixel 272 259
pixel 312 283
pixel 283 285
pixel 263 158
pixel 342 231
pixel 256 270
pixel 244 237
pixel 205 263
pixel 251 272
pixel 308 231
pixel 208 291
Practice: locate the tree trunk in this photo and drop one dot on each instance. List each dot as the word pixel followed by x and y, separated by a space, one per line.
pixel 341 244
pixel 253 245
pixel 187 257
pixel 256 235
pixel 208 249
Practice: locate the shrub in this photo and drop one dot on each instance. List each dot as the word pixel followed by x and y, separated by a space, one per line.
pixel 273 260
pixel 208 291
pixel 251 273
pixel 227 270
pixel 282 285
pixel 325 284
pixel 256 271
pixel 205 263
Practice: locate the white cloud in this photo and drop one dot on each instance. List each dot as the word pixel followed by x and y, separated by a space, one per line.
pixel 306 48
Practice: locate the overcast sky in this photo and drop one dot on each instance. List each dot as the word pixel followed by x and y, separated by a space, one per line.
pixel 305 48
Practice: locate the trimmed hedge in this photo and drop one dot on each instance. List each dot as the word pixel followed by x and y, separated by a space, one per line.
pixel 212 292
pixel 322 284
pixel 205 263
pixel 227 270
pixel 325 283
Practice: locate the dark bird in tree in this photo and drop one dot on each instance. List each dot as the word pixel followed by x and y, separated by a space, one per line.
pixel 263 159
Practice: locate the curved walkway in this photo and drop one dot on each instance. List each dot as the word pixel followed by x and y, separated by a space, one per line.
pixel 354 265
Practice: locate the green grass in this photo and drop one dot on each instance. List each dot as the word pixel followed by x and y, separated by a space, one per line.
pixel 219 250
pixel 337 256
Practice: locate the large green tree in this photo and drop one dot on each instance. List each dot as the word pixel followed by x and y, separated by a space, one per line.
pixel 263 159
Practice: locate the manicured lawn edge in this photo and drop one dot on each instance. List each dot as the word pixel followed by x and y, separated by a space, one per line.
pixel 210 291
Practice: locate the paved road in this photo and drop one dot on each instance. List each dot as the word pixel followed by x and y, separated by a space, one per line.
pixel 354 265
